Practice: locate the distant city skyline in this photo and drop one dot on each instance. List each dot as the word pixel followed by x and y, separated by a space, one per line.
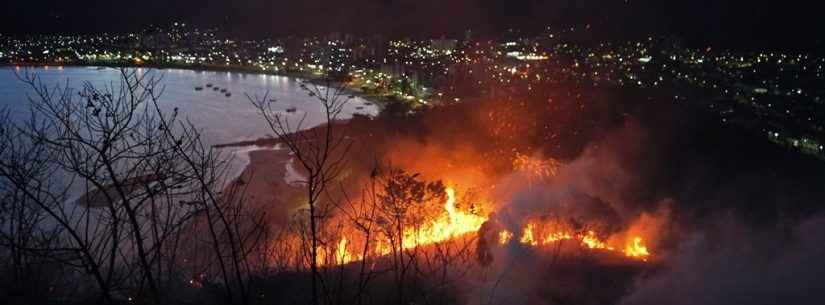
pixel 730 24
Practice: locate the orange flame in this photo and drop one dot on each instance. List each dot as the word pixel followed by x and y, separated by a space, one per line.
pixel 451 224
pixel 634 248
pixel 592 241
pixel 340 255
pixel 527 236
pixel 454 223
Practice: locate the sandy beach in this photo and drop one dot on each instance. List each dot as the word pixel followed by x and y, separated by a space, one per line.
pixel 270 184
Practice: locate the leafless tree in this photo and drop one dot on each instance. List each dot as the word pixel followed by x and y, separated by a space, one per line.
pixel 320 151
pixel 361 215
pixel 144 177
pixel 70 143
pixel 236 230
pixel 26 241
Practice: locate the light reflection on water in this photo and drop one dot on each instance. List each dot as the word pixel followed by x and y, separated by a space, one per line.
pixel 221 119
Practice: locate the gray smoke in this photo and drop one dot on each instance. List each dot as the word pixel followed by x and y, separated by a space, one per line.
pixel 737 264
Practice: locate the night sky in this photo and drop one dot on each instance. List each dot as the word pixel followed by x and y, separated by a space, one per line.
pixel 736 23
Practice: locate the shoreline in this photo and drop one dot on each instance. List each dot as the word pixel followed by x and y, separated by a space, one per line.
pixel 377 100
pixel 253 150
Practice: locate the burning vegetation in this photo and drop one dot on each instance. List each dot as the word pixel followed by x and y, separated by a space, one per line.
pixel 446 200
pixel 452 223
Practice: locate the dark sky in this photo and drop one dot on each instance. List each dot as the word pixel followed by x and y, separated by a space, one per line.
pixel 736 22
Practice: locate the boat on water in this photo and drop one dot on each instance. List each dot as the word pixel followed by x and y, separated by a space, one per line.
pixel 198 88
pixel 216 89
pixel 228 94
pixel 208 85
pixel 223 90
pixel 291 109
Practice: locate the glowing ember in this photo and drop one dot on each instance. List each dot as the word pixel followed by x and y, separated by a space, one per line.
pixel 504 237
pixel 535 168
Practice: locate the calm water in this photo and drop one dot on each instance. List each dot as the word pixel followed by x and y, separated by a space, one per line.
pixel 222 119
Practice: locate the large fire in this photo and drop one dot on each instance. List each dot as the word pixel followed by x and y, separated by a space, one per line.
pixel 454 223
